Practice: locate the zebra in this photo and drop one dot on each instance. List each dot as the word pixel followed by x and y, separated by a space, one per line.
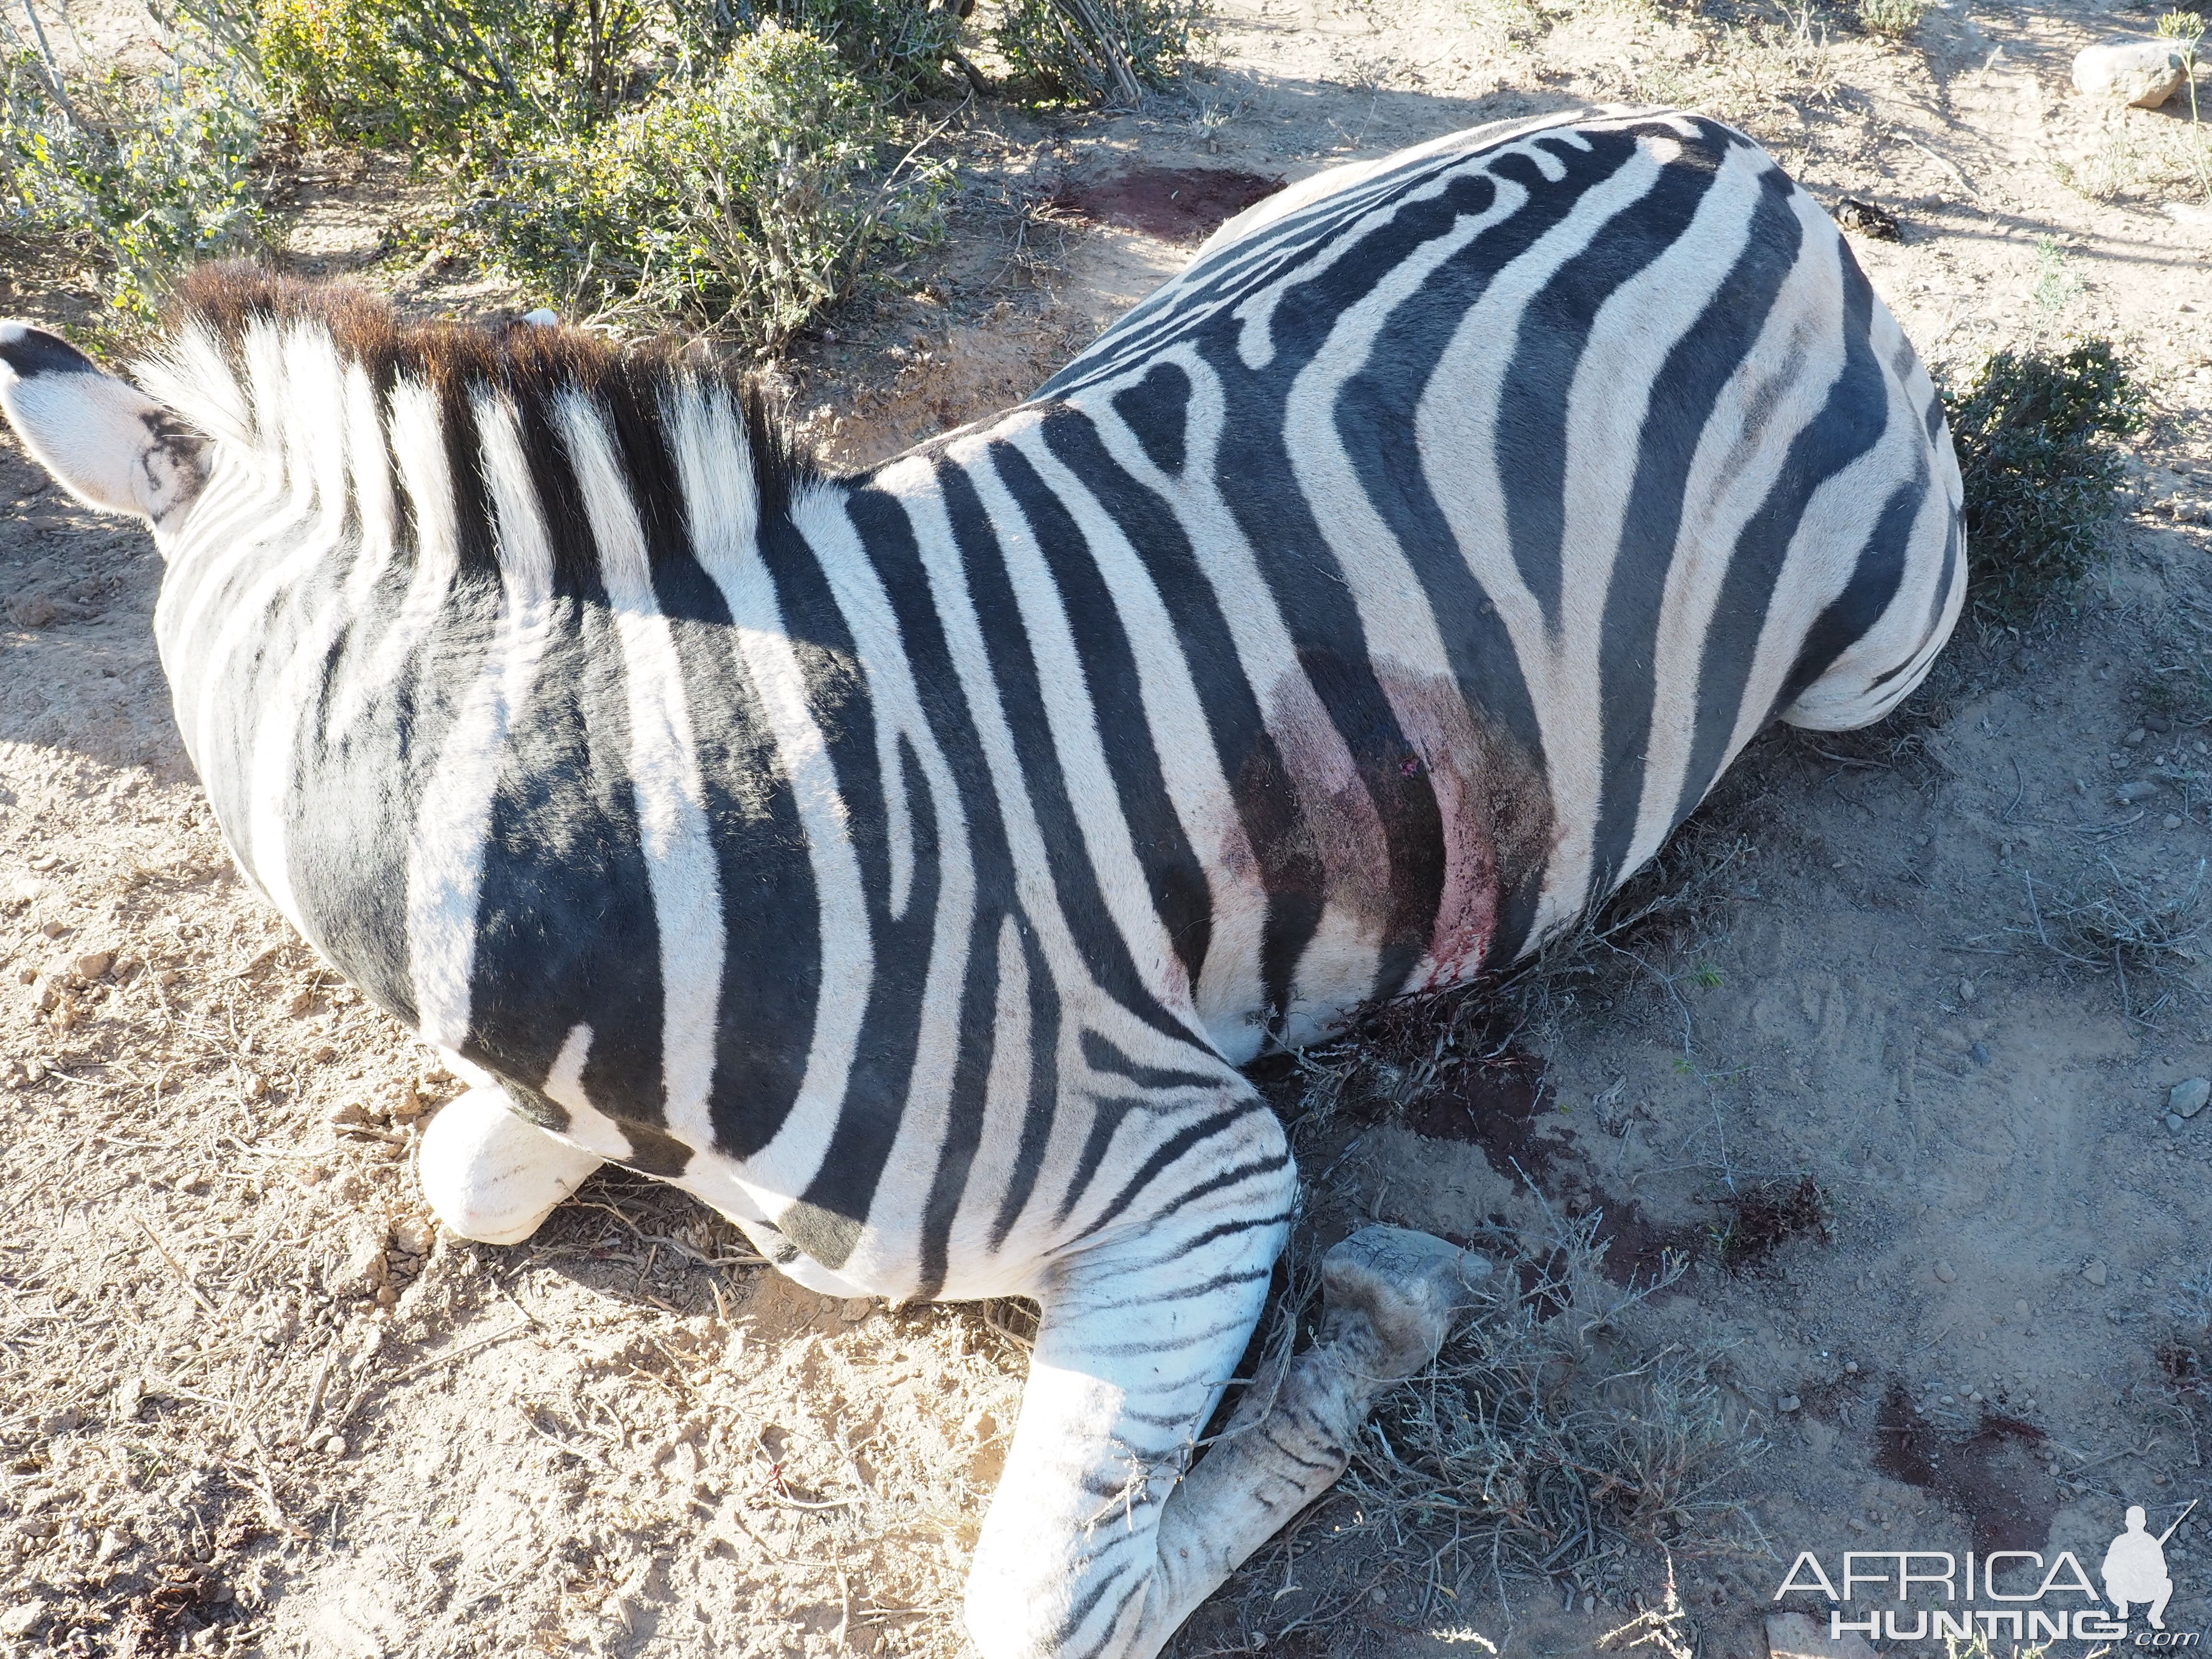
pixel 904 863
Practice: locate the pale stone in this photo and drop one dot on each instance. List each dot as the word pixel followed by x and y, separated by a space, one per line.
pixel 1796 1636
pixel 2144 73
pixel 2187 1099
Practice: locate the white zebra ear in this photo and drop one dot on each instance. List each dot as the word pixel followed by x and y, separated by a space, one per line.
pixel 108 443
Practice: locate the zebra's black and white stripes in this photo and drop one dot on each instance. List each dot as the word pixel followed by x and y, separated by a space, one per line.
pixel 904 862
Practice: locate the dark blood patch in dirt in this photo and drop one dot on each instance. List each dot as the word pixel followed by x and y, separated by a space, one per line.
pixel 1501 1104
pixel 1177 204
pixel 1489 1092
pixel 1990 1477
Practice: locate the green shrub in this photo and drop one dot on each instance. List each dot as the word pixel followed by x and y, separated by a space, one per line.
pixel 2037 434
pixel 154 174
pixel 457 75
pixel 900 48
pixel 444 73
pixel 1895 19
pixel 1099 50
pixel 745 202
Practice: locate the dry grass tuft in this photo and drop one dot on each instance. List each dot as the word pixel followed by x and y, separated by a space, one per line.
pixel 1554 1438
pixel 1764 1216
pixel 2118 923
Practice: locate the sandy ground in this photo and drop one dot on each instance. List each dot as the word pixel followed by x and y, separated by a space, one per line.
pixel 251 1403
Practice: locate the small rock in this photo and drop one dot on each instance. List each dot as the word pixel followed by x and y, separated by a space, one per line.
pixel 334 1446
pixel 1966 990
pixel 61 1422
pixel 2134 737
pixel 1945 1272
pixel 1798 1636
pixel 1945 1400
pixel 2144 73
pixel 94 964
pixel 2095 1273
pixel 351 1112
pixel 54 929
pixel 2187 1099
pixel 1788 1402
pixel 2128 793
pixel 2172 821
pixel 1979 1054
pixel 1852 1366
pixel 855 1309
pixel 130 1394
pixel 24 1618
pixel 1974 1396
pixel 2158 723
pixel 1869 219
pixel 32 610
pixel 2173 1124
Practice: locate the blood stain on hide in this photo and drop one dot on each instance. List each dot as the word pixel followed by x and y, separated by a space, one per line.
pixel 1177 204
pixel 1990 1476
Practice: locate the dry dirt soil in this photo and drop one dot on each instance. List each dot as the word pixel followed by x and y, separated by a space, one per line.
pixel 252 1403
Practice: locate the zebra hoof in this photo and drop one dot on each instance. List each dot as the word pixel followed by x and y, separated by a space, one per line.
pixel 492 1176
pixel 1407 1289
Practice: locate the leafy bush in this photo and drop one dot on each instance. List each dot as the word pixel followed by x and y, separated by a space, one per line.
pixel 441 73
pixel 456 75
pixel 898 46
pixel 745 202
pixel 1099 50
pixel 1895 19
pixel 154 175
pixel 2036 437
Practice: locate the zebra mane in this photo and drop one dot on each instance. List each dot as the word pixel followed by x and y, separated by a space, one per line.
pixel 240 344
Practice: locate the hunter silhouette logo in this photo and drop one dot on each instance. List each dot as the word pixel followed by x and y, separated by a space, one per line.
pixel 2135 1567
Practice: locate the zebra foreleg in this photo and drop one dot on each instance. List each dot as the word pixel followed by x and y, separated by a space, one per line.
pixel 492 1175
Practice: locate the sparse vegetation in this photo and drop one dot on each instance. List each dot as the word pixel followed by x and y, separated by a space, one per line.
pixel 745 203
pixel 1099 50
pixel 2111 921
pixel 147 175
pixel 1759 1220
pixel 2185 29
pixel 2037 434
pixel 1894 19
pixel 1551 1439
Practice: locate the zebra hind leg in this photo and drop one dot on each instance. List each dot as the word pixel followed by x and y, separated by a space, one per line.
pixel 492 1175
pixel 1098 1545
pixel 1391 1297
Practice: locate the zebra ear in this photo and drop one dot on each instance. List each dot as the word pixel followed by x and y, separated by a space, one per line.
pixel 108 443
